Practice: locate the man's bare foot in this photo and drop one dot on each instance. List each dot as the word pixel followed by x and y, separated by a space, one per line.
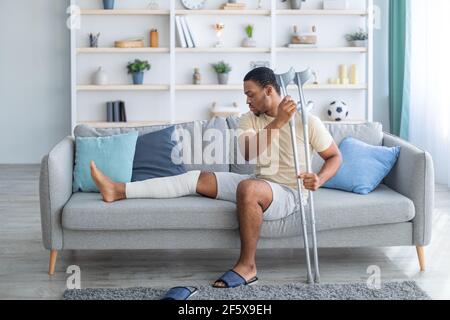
pixel 111 191
pixel 247 272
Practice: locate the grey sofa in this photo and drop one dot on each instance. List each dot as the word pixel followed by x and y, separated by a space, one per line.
pixel 398 213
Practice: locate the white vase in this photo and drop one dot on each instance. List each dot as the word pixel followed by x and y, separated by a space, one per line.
pixel 100 77
pixel 248 43
pixel 359 43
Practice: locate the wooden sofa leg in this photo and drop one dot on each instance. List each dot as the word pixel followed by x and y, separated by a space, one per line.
pixel 421 256
pixel 51 267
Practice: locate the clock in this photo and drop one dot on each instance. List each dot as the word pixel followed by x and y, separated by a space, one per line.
pixel 193 4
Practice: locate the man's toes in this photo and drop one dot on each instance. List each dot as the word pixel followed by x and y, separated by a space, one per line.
pixel 219 284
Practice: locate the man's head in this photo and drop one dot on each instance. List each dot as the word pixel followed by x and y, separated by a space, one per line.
pixel 262 90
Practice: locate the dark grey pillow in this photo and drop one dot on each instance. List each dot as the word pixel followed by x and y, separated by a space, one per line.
pixel 153 156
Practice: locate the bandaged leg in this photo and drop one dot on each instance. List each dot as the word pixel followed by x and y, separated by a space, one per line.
pixel 164 188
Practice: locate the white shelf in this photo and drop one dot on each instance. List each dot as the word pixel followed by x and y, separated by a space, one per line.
pixel 346 122
pixel 322 13
pixel 223 50
pixel 253 12
pixel 246 12
pixel 145 87
pixel 100 124
pixel 123 50
pixel 126 12
pixel 323 50
pixel 235 87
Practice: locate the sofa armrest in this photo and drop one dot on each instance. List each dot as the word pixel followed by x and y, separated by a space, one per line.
pixel 413 177
pixel 55 189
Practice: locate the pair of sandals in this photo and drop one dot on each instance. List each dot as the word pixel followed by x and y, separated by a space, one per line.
pixel 231 279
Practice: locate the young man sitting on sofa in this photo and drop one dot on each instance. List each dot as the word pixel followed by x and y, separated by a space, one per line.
pixel 266 195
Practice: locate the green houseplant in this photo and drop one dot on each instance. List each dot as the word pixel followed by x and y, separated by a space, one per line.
pixel 136 68
pixel 249 42
pixel 222 69
pixel 358 39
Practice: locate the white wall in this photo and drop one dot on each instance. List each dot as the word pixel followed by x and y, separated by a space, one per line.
pixel 34 78
pixel 381 70
pixel 35 82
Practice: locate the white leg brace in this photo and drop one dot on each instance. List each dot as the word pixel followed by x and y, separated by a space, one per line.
pixel 164 188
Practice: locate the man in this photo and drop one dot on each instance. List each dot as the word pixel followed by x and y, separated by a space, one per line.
pixel 267 195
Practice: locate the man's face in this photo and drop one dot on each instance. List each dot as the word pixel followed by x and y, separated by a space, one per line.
pixel 258 98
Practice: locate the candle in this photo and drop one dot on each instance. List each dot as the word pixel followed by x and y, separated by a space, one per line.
pixel 354 74
pixel 343 72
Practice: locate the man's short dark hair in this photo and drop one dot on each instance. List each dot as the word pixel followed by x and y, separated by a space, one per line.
pixel 263 77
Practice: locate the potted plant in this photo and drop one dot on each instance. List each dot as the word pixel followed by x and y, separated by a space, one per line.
pixel 295 4
pixel 358 39
pixel 108 4
pixel 137 68
pixel 222 69
pixel 249 42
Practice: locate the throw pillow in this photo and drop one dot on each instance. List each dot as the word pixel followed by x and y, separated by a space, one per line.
pixel 364 166
pixel 153 157
pixel 113 155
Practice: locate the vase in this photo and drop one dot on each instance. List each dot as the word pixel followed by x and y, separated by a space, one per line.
pixel 100 78
pixel 108 4
pixel 296 4
pixel 138 78
pixel 248 43
pixel 359 43
pixel 223 78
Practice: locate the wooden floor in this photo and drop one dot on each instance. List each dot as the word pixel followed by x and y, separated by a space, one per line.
pixel 24 261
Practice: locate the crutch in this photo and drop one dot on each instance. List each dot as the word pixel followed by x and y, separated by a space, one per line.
pixel 301 78
pixel 283 81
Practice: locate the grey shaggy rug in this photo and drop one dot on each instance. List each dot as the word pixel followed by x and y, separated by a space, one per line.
pixel 407 290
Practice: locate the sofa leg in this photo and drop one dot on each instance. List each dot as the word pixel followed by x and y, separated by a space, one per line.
pixel 51 267
pixel 421 256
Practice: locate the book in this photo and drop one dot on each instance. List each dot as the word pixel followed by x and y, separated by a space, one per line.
pixel 116 111
pixel 189 41
pixel 189 31
pixel 109 112
pixel 123 112
pixel 180 33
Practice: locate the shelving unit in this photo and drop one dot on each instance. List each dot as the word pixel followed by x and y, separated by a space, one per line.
pixel 176 89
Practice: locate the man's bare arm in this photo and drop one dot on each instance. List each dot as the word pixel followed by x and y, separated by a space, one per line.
pixel 286 110
pixel 333 161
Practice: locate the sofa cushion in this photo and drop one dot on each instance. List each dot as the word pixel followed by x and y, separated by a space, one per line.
pixel 334 210
pixel 210 134
pixel 157 156
pixel 86 211
pixel 341 210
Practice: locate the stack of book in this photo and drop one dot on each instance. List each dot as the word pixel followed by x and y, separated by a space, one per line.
pixel 233 6
pixel 184 33
pixel 116 112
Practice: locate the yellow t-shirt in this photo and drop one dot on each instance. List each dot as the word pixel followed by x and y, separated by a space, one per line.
pixel 277 164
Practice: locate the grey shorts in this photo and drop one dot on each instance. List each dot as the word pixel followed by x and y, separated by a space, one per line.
pixel 285 199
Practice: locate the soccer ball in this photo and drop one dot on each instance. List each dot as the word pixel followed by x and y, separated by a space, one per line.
pixel 338 111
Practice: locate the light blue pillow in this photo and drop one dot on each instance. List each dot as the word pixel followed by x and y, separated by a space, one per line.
pixel 364 166
pixel 113 155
